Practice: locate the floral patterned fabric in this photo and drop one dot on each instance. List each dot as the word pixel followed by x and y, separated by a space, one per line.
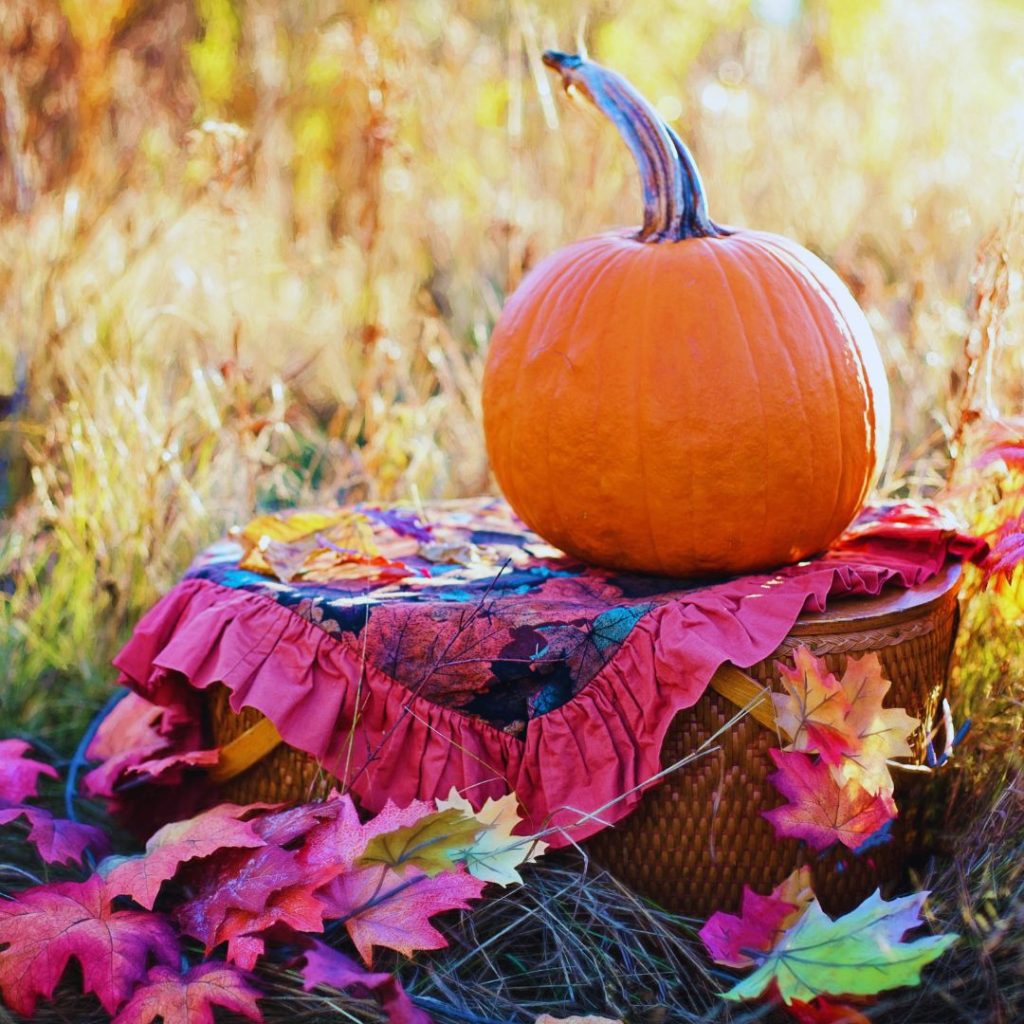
pixel 482 617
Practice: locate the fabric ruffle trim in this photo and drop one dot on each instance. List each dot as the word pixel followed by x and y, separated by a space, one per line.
pixel 580 767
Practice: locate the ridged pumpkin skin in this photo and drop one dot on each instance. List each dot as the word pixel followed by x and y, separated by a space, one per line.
pixel 708 406
pixel 686 399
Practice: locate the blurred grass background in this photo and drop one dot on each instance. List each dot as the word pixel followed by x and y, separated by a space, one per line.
pixel 251 252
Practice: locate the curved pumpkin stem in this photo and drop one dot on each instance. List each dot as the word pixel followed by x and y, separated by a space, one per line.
pixel 674 204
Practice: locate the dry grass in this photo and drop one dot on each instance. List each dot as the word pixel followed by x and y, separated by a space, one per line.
pixel 251 254
pixel 294 297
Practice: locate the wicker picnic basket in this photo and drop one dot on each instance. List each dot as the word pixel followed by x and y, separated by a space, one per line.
pixel 699 836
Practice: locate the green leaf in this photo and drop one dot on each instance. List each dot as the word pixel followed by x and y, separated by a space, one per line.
pixel 860 953
pixel 433 844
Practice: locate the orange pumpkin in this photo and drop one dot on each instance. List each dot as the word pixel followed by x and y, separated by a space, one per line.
pixel 685 399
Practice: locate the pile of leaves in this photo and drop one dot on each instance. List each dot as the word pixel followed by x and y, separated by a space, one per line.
pixel 219 904
pixel 258 881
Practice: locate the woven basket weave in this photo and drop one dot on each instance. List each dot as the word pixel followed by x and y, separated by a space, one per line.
pixel 697 837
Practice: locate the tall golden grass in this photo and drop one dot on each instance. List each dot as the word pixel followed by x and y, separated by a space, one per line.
pixel 250 253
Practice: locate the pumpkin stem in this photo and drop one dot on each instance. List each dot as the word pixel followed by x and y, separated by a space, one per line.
pixel 674 204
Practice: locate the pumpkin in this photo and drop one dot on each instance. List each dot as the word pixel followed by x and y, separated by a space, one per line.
pixel 686 398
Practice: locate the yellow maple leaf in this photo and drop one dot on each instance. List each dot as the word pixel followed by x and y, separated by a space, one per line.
pixel 285 529
pixel 882 733
pixel 433 844
pixel 812 710
pixel 495 853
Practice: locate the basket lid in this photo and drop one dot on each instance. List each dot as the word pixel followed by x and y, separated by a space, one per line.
pixel 894 604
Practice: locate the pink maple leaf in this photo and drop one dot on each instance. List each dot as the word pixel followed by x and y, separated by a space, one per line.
pixel 328 967
pixel 190 998
pixel 57 840
pixel 206 834
pixel 821 811
pixel 235 895
pixel 730 939
pixel 382 907
pixel 45 927
pixel 19 776
pixel 170 767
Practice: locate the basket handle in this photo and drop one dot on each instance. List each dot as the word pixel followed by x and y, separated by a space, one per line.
pixel 245 750
pixel 260 739
pixel 746 692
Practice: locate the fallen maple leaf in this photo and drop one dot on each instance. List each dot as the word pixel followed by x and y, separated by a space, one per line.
pixel 19 775
pixel 813 708
pixel 57 840
pixel 381 907
pixel 821 811
pixel 190 998
pixel 824 1011
pixel 495 852
pixel 161 767
pixel 881 733
pixel 431 843
pixel 736 940
pixel 844 720
pixel 328 967
pixel 860 953
pixel 44 927
pixel 207 833
pixel 235 894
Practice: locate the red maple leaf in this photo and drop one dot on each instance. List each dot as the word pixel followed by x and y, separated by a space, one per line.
pixel 731 939
pixel 382 907
pixel 247 891
pixel 295 907
pixel 824 1011
pixel 44 927
pixel 328 967
pixel 190 998
pixel 19 776
pixel 171 768
pixel 57 840
pixel 821 811
pixel 206 834
pixel 336 844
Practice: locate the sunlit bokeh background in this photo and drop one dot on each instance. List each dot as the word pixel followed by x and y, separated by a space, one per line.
pixel 251 251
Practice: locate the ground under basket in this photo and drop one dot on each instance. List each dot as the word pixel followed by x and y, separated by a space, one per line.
pixel 699 836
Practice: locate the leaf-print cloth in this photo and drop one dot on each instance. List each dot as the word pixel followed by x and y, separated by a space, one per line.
pixel 511 668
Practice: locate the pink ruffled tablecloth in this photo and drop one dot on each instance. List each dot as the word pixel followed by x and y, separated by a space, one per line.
pixel 480 659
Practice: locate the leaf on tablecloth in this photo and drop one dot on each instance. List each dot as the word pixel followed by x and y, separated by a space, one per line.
pixel 401 522
pixel 220 828
pixel 324 966
pixel 19 775
pixel 858 954
pixel 495 853
pixel 293 526
pixel 734 940
pixel 820 810
pixel 45 927
pixel 190 998
pixel 57 840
